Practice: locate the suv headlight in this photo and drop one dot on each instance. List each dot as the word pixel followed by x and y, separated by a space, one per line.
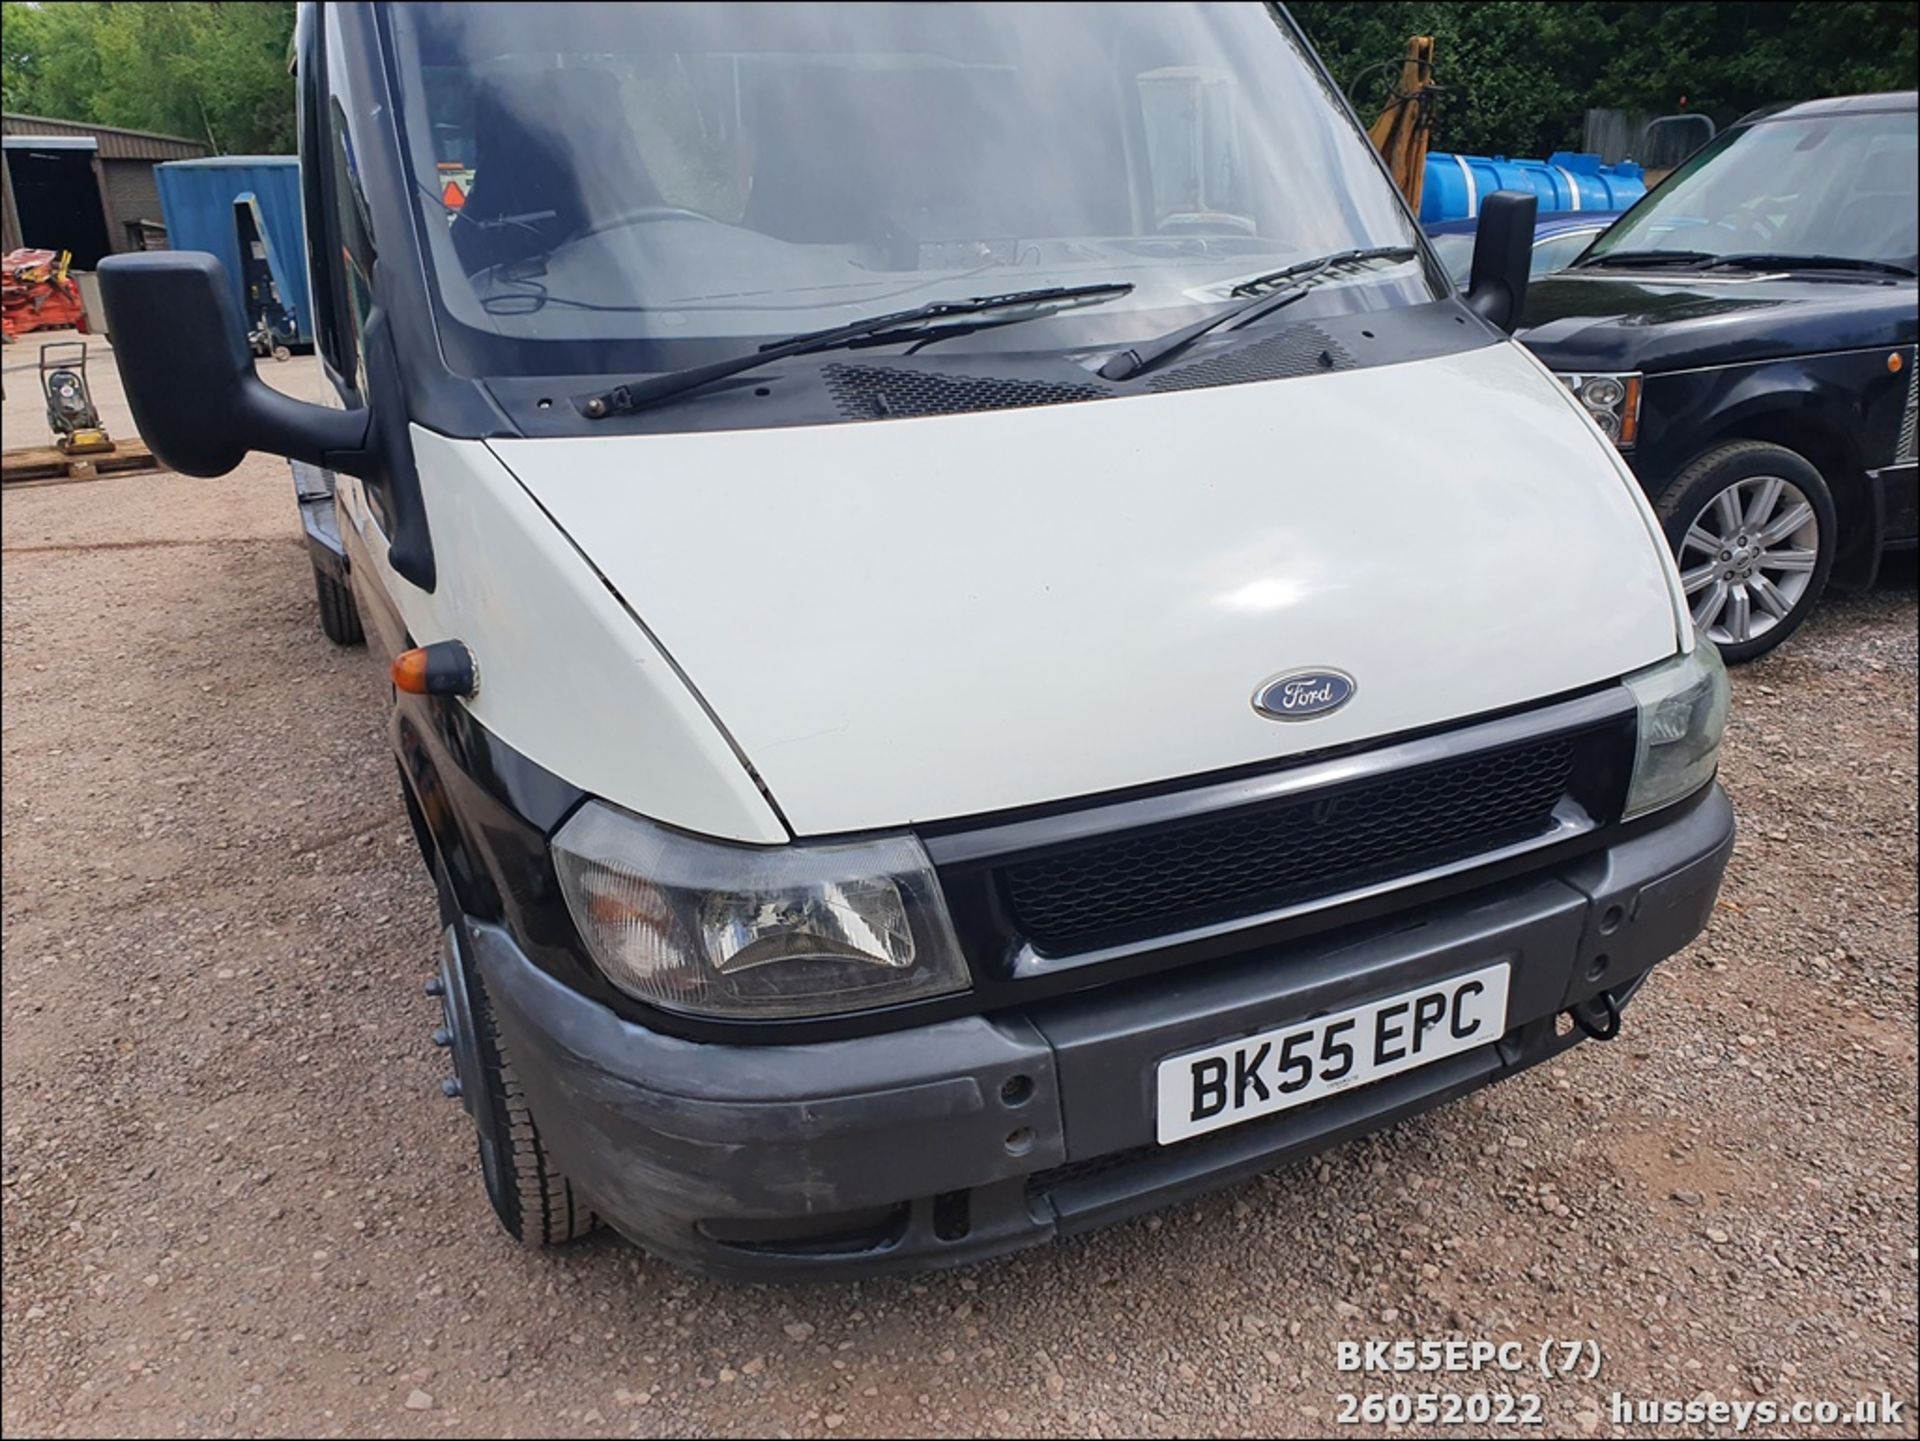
pixel 1613 400
pixel 1683 711
pixel 755 932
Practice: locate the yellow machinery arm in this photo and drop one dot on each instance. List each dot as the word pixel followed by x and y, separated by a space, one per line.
pixel 1401 132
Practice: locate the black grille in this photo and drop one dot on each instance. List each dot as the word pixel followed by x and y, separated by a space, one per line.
pixel 1280 853
pixel 1297 350
pixel 873 392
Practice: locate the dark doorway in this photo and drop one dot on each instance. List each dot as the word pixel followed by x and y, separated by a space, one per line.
pixel 59 201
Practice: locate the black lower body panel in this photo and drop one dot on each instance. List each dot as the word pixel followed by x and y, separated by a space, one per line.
pixel 1898 488
pixel 313 493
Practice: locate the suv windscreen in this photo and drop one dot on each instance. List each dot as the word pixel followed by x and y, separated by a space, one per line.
pixel 624 189
pixel 1830 185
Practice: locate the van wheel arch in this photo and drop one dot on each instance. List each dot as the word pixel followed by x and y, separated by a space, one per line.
pixel 423 836
pixel 436 829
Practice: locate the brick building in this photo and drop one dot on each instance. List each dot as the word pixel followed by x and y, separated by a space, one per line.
pixel 84 188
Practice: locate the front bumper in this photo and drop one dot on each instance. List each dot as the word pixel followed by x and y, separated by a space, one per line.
pixel 968 1138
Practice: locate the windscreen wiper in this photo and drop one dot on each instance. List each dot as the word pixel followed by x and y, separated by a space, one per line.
pixel 1305 269
pixel 1257 299
pixel 1648 258
pixel 1774 260
pixel 1743 260
pixel 625 399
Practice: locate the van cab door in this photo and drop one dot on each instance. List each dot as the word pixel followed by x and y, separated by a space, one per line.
pixel 340 259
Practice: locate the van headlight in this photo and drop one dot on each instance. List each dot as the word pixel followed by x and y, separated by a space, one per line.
pixel 1683 711
pixel 755 932
pixel 1613 400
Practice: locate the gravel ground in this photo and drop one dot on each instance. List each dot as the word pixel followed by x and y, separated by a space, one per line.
pixel 234 1203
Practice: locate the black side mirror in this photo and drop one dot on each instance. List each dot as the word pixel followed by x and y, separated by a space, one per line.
pixel 1502 257
pixel 183 354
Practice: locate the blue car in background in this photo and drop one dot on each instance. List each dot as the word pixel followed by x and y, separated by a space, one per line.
pixel 1558 238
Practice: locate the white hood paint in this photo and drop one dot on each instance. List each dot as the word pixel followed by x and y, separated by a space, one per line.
pixel 908 620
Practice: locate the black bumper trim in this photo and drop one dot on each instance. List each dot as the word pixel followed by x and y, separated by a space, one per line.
pixel 1128 1183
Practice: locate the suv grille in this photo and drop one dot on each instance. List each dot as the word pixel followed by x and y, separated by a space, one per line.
pixel 1287 851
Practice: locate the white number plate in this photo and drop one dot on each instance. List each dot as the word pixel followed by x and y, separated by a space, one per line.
pixel 1223 1085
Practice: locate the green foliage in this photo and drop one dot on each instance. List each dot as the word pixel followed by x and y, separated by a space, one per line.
pixel 214 72
pixel 1520 75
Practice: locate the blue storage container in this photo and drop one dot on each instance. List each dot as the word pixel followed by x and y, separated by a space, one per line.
pixel 1455 184
pixel 209 205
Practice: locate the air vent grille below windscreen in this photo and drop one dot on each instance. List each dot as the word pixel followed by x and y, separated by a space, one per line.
pixel 880 392
pixel 1298 350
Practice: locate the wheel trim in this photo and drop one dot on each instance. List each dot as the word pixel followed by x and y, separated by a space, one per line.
pixel 1747 558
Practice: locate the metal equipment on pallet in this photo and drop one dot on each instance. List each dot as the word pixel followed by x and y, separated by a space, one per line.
pixel 70 410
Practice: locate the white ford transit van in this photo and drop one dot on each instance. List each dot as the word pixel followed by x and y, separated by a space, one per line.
pixel 981 641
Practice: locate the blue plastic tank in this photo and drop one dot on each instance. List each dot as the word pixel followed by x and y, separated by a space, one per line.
pixel 197 199
pixel 1456 184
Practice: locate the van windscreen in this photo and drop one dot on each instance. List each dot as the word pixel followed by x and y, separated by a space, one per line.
pixel 670 180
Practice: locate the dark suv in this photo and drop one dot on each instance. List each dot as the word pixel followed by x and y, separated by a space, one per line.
pixel 1745 335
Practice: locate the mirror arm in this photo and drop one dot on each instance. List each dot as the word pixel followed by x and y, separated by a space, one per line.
pixel 275 422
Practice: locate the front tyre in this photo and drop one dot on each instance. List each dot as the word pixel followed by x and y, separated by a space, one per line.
pixel 534 1200
pixel 1753 528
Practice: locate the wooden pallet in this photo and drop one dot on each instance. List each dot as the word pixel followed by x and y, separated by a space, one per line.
pixel 46 463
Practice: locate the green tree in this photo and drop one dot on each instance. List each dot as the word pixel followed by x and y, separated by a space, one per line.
pixel 1519 75
pixel 216 72
pixel 48 59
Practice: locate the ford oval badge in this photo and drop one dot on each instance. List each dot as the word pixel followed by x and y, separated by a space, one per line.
pixel 1304 694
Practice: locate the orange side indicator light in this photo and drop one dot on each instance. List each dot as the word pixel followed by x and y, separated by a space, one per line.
pixel 1894 362
pixel 1630 413
pixel 444 668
